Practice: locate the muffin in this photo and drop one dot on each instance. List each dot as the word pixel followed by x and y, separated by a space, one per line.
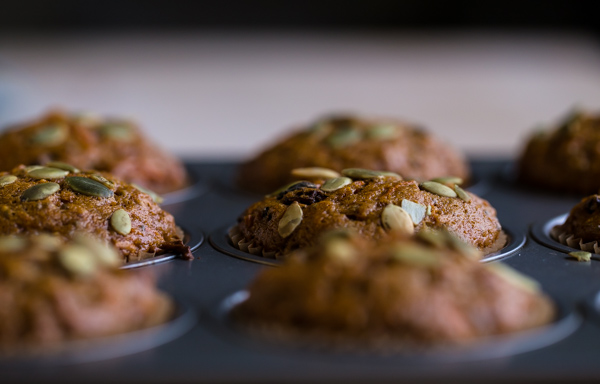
pixel 53 292
pixel 580 229
pixel 350 142
pixel 111 145
pixel 395 293
pixel 565 158
pixel 64 201
pixel 372 203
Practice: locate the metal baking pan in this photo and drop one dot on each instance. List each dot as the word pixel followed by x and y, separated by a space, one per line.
pixel 210 352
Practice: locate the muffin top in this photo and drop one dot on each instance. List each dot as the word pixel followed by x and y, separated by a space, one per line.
pixel 583 221
pixel 564 158
pixel 117 146
pixel 351 142
pixel 427 290
pixel 372 203
pixel 53 291
pixel 65 200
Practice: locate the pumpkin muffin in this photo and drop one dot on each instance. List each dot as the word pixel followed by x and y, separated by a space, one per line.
pixel 580 229
pixel 53 292
pixel 395 293
pixel 63 200
pixel 112 145
pixel 372 203
pixel 349 142
pixel 565 158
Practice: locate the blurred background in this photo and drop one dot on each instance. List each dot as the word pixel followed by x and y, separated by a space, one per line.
pixel 220 79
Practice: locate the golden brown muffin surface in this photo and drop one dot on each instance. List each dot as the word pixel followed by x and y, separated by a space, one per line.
pixel 350 142
pixel 395 292
pixel 52 292
pixel 112 145
pixel 64 202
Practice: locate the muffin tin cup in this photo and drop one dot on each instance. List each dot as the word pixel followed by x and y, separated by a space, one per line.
pixel 108 347
pixel 219 239
pixel 566 322
pixel 191 239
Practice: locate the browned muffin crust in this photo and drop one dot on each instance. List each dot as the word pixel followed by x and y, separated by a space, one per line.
pixel 581 228
pixel 63 210
pixel 52 292
pixel 350 142
pixel 566 158
pixel 390 293
pixel 111 145
pixel 361 206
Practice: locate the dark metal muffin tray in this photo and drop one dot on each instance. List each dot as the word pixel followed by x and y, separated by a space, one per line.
pixel 212 351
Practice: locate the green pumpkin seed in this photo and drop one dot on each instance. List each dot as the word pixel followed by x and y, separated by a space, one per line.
pixel 339 249
pixel 394 218
pixel 438 189
pixel 12 243
pixel 415 210
pixel 30 168
pixel 581 255
pixel 61 165
pixel 105 254
pixel 121 222
pixel 448 180
pixel 47 241
pixel 48 173
pixel 77 259
pixel 335 184
pixel 103 180
pixel 117 132
pixel 88 187
pixel 39 191
pixel 50 135
pixel 290 220
pixel 462 193
pixel 383 132
pixel 155 196
pixel 7 179
pixel 285 188
pixel 461 246
pixel 343 138
pixel 360 173
pixel 415 255
pixel 314 173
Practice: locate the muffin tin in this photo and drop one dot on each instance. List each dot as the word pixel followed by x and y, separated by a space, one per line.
pixel 214 350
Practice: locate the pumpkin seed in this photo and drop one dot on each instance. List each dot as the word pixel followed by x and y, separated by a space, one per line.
pixel 30 168
pixel 121 222
pixel 285 188
pixel 339 249
pixel 103 180
pixel 77 259
pixel 415 255
pixel 290 220
pixel 88 187
pixel 155 196
pixel 315 173
pixel 105 254
pixel 438 189
pixel 382 132
pixel 7 179
pixel 12 243
pixel 335 184
pixel 462 193
pixel 394 218
pixel 360 173
pixel 343 138
pixel 513 277
pixel 61 165
pixel 434 237
pixel 48 173
pixel 47 241
pixel 117 132
pixel 39 191
pixel 581 255
pixel 448 180
pixel 50 135
pixel 415 210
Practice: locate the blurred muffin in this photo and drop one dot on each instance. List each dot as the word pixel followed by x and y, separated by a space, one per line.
pixel 565 158
pixel 394 293
pixel 351 142
pixel 372 203
pixel 112 145
pixel 580 229
pixel 52 292
pixel 63 201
